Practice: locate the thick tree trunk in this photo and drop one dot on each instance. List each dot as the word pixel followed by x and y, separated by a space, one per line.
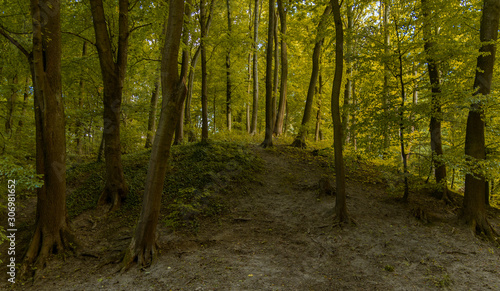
pixel 436 115
pixel 113 74
pixel 268 139
pixel 300 139
pixel 228 71
pixel 278 127
pixel 152 114
pixel 474 209
pixel 255 72
pixel 143 247
pixel 340 202
pixel 52 232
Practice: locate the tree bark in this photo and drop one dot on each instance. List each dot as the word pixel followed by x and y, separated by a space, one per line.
pixel 79 125
pixel 348 84
pixel 228 71
pixel 113 75
pixel 179 130
pixel 255 105
pixel 341 214
pixel 300 139
pixel 318 113
pixel 436 115
pixel 204 85
pixel 385 93
pixel 474 209
pixel 278 127
pixel 268 139
pixel 143 247
pixel 52 231
pixel 152 114
pixel 189 97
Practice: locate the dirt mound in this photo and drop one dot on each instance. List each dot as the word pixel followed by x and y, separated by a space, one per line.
pixel 278 235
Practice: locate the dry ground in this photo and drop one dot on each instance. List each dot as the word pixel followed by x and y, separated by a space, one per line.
pixel 278 235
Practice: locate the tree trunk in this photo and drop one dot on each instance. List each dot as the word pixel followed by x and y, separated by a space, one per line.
pixel 348 84
pixel 204 86
pixel 152 114
pixel 268 139
pixel 300 139
pixel 474 209
pixel 318 113
pixel 11 103
pixel 143 247
pixel 179 130
pixel 278 127
pixel 340 202
pixel 401 118
pixel 52 232
pixel 187 108
pixel 385 93
pixel 79 126
pixel 228 71
pixel 255 106
pixel 276 69
pixel 113 74
pixel 436 115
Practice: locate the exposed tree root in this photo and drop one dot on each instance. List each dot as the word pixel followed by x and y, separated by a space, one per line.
pixel 481 227
pixel 144 256
pixel 113 198
pixel 266 143
pixel 299 142
pixel 43 244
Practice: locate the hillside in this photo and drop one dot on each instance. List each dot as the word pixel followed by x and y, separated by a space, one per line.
pixel 273 231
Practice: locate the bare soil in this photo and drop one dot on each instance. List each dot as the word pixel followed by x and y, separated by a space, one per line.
pixel 279 235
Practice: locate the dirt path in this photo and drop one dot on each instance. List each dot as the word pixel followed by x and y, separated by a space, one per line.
pixel 278 236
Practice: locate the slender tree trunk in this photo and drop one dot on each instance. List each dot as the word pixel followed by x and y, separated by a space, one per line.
pixel 101 149
pixel 228 71
pixel 268 140
pixel 436 115
pixel 353 116
pixel 255 106
pixel 204 86
pixel 11 103
pixel 348 84
pixel 318 113
pixel 385 93
pixel 300 139
pixel 474 209
pixel 79 124
pixel 401 117
pixel 278 127
pixel 143 247
pixel 276 69
pixel 52 231
pixel 340 202
pixel 179 130
pixel 113 74
pixel 189 97
pixel 152 114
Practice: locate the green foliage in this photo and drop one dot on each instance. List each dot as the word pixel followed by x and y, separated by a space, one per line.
pixel 22 172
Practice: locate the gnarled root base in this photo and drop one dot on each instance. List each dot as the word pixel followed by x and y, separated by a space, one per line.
pixel 144 256
pixel 481 227
pixel 112 198
pixel 299 143
pixel 266 144
pixel 42 245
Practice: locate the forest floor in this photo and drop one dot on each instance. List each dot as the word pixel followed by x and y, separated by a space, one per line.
pixel 278 235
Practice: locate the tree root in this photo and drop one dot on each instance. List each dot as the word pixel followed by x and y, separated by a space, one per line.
pixel 481 227
pixel 299 143
pixel 113 198
pixel 42 245
pixel 144 256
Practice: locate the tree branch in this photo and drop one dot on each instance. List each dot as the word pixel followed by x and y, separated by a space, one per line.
pixel 13 41
pixel 77 35
pixel 137 27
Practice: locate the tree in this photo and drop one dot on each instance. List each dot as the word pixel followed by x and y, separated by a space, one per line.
pixel 228 73
pixel 340 202
pixel 152 114
pixel 204 20
pixel 278 127
pixel 474 209
pixel 143 247
pixel 113 75
pixel 268 139
pixel 52 231
pixel 255 70
pixel 436 113
pixel 300 139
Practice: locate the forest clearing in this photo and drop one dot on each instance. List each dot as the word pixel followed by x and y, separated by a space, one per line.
pixel 276 233
pixel 318 145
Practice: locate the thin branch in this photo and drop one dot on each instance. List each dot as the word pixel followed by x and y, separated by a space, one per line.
pixel 137 27
pixel 77 35
pixel 14 42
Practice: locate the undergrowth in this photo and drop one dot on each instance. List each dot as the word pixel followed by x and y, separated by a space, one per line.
pixel 199 176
